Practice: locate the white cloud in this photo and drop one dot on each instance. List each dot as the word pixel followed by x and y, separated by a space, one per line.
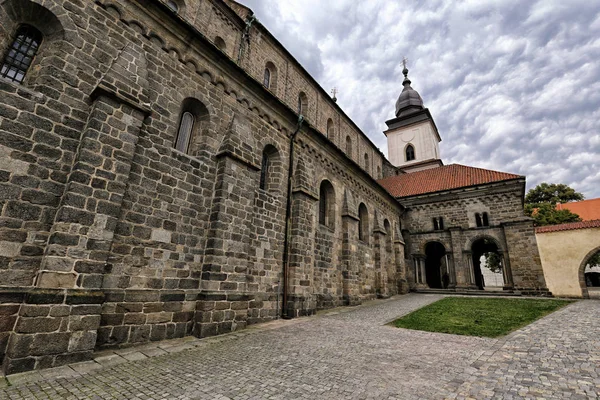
pixel 512 86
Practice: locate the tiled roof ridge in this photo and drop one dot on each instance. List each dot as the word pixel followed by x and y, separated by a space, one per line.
pixel 447 177
pixel 568 226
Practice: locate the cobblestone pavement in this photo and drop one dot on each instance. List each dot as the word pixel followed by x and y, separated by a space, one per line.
pixel 345 354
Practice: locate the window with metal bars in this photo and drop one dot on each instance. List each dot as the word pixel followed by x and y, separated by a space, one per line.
pixel 20 54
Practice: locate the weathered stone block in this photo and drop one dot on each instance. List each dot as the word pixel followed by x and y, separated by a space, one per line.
pixel 50 343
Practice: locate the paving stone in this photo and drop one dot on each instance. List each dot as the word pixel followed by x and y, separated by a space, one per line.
pixel 353 354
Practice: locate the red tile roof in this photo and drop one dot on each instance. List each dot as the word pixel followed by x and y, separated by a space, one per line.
pixel 448 177
pixel 568 227
pixel 587 210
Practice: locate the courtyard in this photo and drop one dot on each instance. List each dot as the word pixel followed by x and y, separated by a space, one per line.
pixel 348 353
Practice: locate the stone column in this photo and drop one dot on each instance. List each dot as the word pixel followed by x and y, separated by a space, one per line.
pixel 223 304
pixel 59 318
pixel 451 270
pixel 82 233
pixel 400 264
pixel 507 273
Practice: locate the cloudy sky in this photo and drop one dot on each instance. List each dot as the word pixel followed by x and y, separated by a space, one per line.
pixel 513 85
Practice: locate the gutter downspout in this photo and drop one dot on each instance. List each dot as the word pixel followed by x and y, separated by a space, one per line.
pixel 288 225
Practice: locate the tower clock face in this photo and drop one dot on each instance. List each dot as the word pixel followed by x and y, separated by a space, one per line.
pixel 408 136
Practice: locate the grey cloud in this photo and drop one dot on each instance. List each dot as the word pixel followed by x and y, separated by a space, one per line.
pixel 513 86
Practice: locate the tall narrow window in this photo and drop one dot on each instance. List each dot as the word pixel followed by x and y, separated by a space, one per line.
pixel 264 170
pixel 485 221
pixel 363 223
pixel 367 162
pixel 478 220
pixel 348 146
pixel 267 79
pixel 20 54
pixel 435 224
pixel 441 223
pixel 185 132
pixel 327 204
pixel 330 132
pixel 410 152
pixel 302 103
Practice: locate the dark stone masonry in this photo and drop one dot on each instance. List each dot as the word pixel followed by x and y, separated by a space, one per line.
pixel 144 170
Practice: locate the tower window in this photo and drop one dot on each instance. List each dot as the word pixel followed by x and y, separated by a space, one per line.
pixel 485 219
pixel 478 220
pixel 20 54
pixel 410 152
pixel 348 146
pixel 438 224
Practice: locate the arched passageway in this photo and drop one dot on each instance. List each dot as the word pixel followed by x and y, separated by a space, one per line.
pixel 487 264
pixel 436 272
pixel 591 274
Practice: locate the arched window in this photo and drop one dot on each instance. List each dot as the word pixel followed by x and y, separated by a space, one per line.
pixel 220 43
pixel 330 132
pixel 267 79
pixel 348 146
pixel 20 54
pixel 378 172
pixel 302 103
pixel 485 220
pixel 363 223
pixel 270 77
pixel 194 117
pixel 367 162
pixel 478 220
pixel 173 5
pixel 327 205
pixel 271 170
pixel 186 125
pixel 410 152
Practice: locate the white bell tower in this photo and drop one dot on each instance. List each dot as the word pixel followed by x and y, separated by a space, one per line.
pixel 413 139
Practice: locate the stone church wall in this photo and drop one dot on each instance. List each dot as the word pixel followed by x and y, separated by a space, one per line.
pixel 110 237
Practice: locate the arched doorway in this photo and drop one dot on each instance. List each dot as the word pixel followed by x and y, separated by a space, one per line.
pixel 487 264
pixel 436 273
pixel 591 275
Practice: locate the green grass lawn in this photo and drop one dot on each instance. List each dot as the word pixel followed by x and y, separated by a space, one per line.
pixel 478 316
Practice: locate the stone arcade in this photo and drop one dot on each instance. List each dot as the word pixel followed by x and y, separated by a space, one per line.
pixel 145 184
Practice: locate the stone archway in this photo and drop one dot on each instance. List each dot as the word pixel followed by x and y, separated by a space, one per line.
pixel 589 282
pixel 436 268
pixel 486 249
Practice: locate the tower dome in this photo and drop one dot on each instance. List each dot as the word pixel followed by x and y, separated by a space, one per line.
pixel 409 100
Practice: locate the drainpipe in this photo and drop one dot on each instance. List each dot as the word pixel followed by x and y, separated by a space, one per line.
pixel 246 36
pixel 288 225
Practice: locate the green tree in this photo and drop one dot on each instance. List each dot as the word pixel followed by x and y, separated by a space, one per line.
pixel 492 261
pixel 547 214
pixel 540 203
pixel 594 261
pixel 552 193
